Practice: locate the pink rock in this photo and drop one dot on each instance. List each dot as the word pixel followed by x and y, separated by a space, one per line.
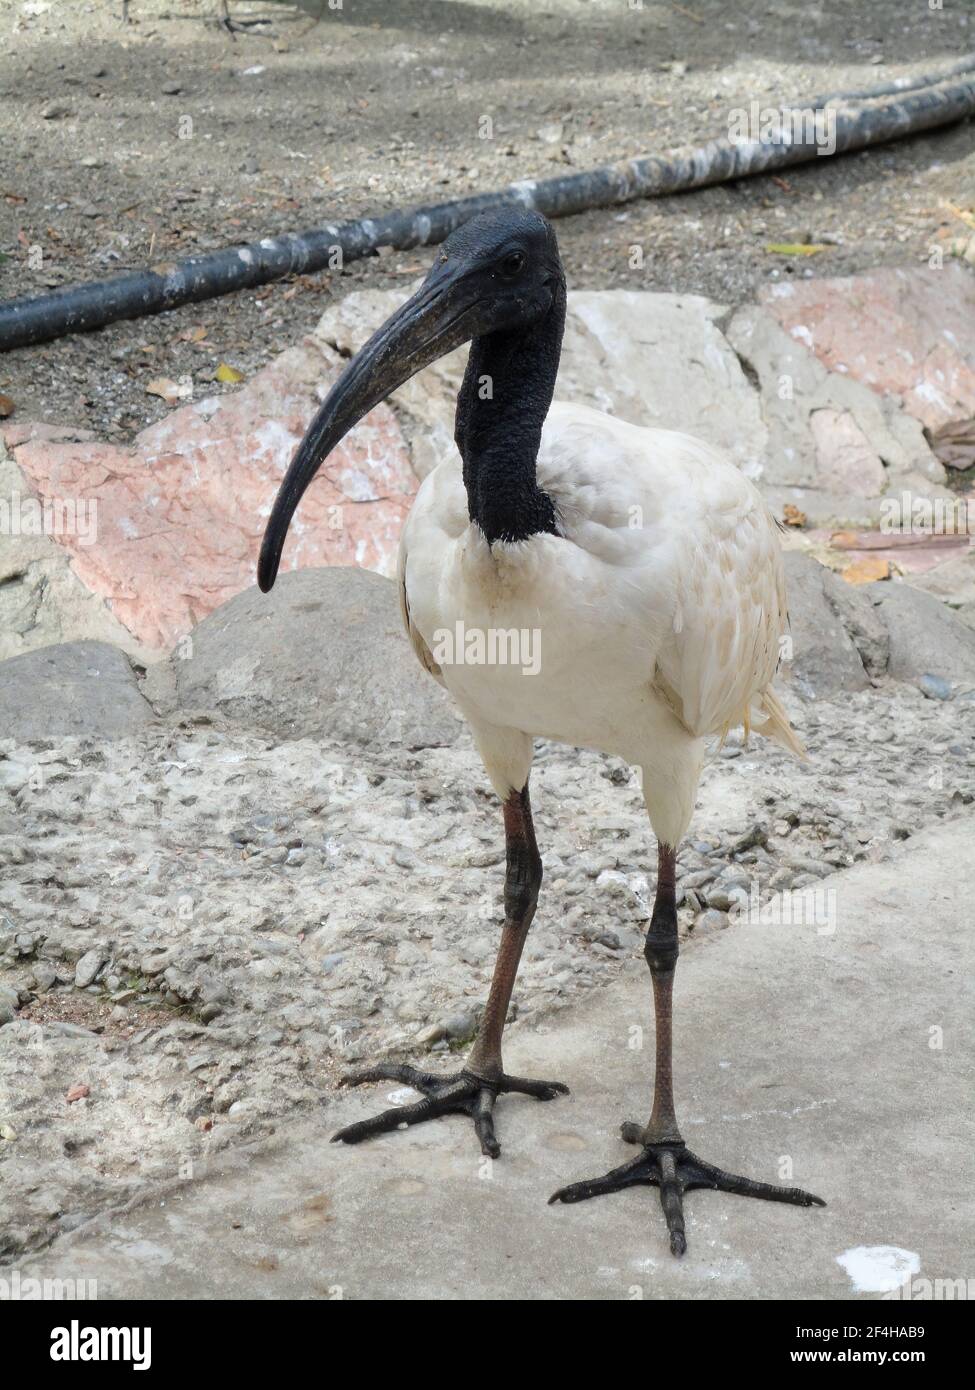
pixel 907 332
pixel 181 513
pixel 911 552
pixel 846 462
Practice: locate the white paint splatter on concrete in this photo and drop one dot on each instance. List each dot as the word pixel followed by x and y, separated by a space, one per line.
pixel 879 1268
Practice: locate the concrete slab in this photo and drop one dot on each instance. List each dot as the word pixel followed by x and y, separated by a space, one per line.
pixel 840 1049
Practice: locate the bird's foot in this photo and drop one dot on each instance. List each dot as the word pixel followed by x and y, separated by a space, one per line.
pixel 675 1170
pixel 460 1094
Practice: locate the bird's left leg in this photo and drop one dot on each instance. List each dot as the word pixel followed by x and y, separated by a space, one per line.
pixel 665 1161
pixel 474 1090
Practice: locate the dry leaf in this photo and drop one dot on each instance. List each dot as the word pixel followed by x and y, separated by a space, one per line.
pixel 866 570
pixel 227 373
pixel 792 516
pixel 78 1092
pixel 168 390
pixel 7 407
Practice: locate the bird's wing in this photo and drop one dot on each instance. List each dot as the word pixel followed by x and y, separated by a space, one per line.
pixel 730 613
pixel 702 548
pixel 718 660
pixel 439 512
pixel 423 653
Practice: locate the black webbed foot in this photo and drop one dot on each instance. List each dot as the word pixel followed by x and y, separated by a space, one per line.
pixel 675 1170
pixel 460 1094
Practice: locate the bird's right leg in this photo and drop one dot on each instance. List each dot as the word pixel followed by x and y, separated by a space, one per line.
pixel 665 1162
pixel 474 1090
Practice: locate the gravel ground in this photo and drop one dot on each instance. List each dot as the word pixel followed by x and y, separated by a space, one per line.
pixel 382 104
pixel 205 927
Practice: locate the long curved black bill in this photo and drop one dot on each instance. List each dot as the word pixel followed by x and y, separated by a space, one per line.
pixel 437 319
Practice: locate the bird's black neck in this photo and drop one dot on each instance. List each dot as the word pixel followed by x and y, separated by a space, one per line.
pixel 501 408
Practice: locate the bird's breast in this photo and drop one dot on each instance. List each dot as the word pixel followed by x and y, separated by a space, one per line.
pixel 539 636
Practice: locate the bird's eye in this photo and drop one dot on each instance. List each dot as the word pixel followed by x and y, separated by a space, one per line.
pixel 513 264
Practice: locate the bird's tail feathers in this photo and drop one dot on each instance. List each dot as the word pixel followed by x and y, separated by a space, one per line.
pixel 776 725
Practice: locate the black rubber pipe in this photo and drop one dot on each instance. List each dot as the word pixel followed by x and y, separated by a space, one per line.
pixel 861 119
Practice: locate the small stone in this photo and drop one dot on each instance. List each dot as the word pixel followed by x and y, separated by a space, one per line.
pixel 210 1011
pixel 88 967
pixel 698 878
pixel 934 687
pixel 757 835
pixel 711 921
pixel 433 1033
pixel 171 89
pixel 54 111
pixel 242 1108
pixel 44 976
pixel 550 134
pixel 460 1027
pixel 155 965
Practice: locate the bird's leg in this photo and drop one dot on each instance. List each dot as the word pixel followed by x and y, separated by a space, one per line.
pixel 474 1090
pixel 522 880
pixel 665 1161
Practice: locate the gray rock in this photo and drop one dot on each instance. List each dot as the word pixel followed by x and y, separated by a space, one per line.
pixel 460 1027
pixel 82 688
pixel 323 654
pixel 711 921
pixel 924 635
pixel 9 1004
pixel 88 967
pixel 433 1033
pixel 755 835
pixel 69 1030
pixel 719 898
pixel 44 976
pixel 829 623
pixel 934 687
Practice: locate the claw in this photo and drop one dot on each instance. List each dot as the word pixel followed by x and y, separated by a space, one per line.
pixel 541 1090
pixel 391 1071
pixel 672 1201
pixel 461 1094
pixel 398 1118
pixel 484 1124
pixel 675 1170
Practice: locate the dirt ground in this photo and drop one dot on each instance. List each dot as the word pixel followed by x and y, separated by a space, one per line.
pixel 137 143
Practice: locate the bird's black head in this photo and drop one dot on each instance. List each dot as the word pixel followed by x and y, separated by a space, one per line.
pixel 504 265
pixel 497 273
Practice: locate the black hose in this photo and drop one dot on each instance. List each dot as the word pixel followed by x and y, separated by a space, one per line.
pixel 861 119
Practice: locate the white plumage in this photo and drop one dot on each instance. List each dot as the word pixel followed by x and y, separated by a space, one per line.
pixel 659 609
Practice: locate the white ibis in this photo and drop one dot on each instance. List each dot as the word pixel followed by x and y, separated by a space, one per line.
pixel 647 572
